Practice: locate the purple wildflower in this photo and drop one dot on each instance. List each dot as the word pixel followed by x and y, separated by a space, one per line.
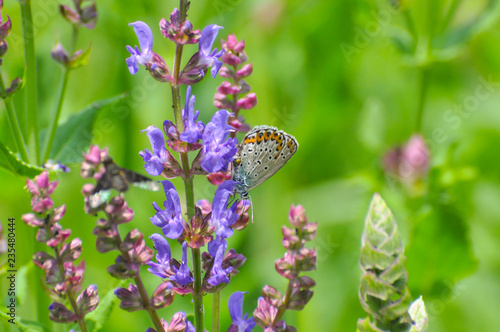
pixel 143 56
pixel 208 57
pixel 163 257
pixel 240 322
pixel 170 219
pixel 218 274
pixel 217 151
pixel 182 274
pixel 193 130
pixel 154 160
pixel 222 217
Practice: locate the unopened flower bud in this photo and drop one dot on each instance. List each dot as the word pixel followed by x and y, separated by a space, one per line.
pixel 88 300
pixel 130 299
pixel 247 102
pixel 60 314
pixel 59 54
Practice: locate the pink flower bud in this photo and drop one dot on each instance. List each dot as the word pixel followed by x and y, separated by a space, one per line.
pixel 247 102
pixel 245 71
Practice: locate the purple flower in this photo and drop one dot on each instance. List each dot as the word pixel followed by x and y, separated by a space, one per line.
pixel 170 219
pixel 143 56
pixel 162 257
pixel 218 274
pixel 217 151
pixel 154 160
pixel 223 217
pixel 182 274
pixel 193 130
pixel 240 322
pixel 208 57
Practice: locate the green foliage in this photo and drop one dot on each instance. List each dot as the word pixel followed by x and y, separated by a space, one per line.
pixel 74 136
pixel 383 291
pixel 97 318
pixel 10 162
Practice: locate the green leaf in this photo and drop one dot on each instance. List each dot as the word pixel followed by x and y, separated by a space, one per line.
pixel 418 315
pixel 439 253
pixel 364 325
pixel 22 282
pixel 10 162
pixel 74 136
pixel 96 319
pixel 459 36
pixel 25 325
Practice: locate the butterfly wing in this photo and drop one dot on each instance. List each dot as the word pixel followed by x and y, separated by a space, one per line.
pixel 264 151
pixel 140 181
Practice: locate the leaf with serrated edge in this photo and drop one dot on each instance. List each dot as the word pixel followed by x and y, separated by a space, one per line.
pixel 10 162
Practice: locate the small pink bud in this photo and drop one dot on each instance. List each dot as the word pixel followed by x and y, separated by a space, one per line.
pixel 247 102
pixel 226 88
pixel 245 71
pixel 239 46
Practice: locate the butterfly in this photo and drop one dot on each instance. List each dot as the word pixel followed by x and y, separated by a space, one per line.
pixel 118 178
pixel 263 152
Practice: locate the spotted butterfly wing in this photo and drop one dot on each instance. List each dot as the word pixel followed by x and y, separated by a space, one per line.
pixel 262 153
pixel 118 178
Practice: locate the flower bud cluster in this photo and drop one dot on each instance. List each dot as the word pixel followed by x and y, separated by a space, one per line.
pixel 234 94
pixel 133 252
pixel 211 225
pixel 181 33
pixel 80 16
pixel 297 259
pixel 410 162
pixel 62 275
pixel 5 28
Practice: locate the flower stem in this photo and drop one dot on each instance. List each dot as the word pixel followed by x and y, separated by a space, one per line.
pixel 30 79
pixel 57 113
pixel 216 312
pixel 14 123
pixel 153 315
pixel 424 84
pixel 69 291
pixel 59 100
pixel 199 314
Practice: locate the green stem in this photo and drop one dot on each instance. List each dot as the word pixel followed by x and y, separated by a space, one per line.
pixel 153 315
pixel 14 123
pixel 59 99
pixel 55 120
pixel 199 311
pixel 424 85
pixel 53 125
pixel 216 312
pixel 30 79
pixel 199 315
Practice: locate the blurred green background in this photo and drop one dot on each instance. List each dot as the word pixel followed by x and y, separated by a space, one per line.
pixel 344 78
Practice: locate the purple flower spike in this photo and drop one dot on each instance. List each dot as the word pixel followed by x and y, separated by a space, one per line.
pixel 218 274
pixel 193 131
pixel 145 54
pixel 207 56
pixel 170 219
pixel 222 217
pixel 217 152
pixel 163 257
pixel 183 274
pixel 240 322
